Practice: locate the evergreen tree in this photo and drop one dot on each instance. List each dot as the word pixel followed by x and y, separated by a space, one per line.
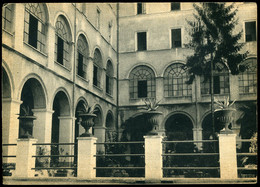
pixel 213 40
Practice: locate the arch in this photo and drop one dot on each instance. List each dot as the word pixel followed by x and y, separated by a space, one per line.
pixel 169 64
pixel 175 77
pixel 39 79
pixel 110 68
pixel 99 119
pixel 6 87
pixel 81 32
pixel 81 100
pixel 178 112
pixel 142 82
pixel 80 106
pixel 98 57
pixel 82 55
pixel 94 49
pixel 142 64
pixel 110 120
pixel 63 97
pixel 33 92
pixel 109 77
pixel 5 69
pixel 67 20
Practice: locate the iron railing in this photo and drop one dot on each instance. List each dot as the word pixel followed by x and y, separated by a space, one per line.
pixel 7 166
pixel 120 164
pixel 190 163
pixel 246 161
pixel 55 167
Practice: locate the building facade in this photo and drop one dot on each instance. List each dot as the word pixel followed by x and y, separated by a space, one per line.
pixel 56 57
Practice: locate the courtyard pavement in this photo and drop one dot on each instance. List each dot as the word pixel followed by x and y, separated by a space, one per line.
pixel 121 181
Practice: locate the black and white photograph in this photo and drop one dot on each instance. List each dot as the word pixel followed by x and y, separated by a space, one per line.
pixel 129 93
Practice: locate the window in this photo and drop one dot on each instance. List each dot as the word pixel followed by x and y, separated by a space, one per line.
pixel 83 53
pixel 220 81
pixel 109 77
pixel 97 70
pixel 248 79
pixel 34 25
pixel 140 8
pixel 175 6
pixel 7 16
pixel 141 41
pixel 175 78
pixel 250 31
pixel 62 38
pixel 176 38
pixel 98 19
pixel 142 83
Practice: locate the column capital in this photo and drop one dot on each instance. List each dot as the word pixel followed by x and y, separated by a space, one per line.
pixel 42 110
pixel 12 100
pixel 153 136
pixel 87 138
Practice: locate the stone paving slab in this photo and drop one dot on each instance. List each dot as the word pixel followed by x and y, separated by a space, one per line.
pixel 124 181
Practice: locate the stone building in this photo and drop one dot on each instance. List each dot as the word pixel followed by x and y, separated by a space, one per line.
pixel 57 56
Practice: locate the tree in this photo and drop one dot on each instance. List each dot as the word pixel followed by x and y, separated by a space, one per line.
pixel 213 40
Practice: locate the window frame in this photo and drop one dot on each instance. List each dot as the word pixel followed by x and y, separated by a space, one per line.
pixel 109 78
pixel 39 14
pixel 98 66
pixel 137 40
pixel 143 10
pixel 245 33
pixel 171 37
pixel 175 9
pixel 142 73
pixel 6 19
pixel 174 83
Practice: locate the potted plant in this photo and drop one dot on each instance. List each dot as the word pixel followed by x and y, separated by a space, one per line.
pixel 224 114
pixel 86 119
pixel 26 118
pixel 151 114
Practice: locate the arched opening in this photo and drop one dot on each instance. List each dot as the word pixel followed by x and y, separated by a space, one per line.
pixel 61 108
pixel 97 120
pixel 110 136
pixel 179 127
pixel 6 87
pixel 33 97
pixel 81 106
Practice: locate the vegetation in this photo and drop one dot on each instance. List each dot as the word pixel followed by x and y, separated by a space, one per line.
pixel 224 105
pixel 150 104
pixel 213 41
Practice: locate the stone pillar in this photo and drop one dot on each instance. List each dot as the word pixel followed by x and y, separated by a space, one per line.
pixel 227 156
pixel 197 135
pixel 19 26
pixel 86 160
pixel 24 160
pixel 153 158
pixel 10 126
pixel 42 125
pixel 100 133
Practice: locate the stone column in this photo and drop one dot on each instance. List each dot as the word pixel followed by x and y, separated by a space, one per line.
pixel 19 26
pixel 86 159
pixel 24 160
pixel 197 135
pixel 10 126
pixel 42 125
pixel 153 158
pixel 227 156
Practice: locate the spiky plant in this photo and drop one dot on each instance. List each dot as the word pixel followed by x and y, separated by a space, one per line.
pixel 224 105
pixel 150 104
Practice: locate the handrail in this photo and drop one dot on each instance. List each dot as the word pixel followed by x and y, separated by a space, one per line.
pixel 244 140
pixel 189 141
pixel 119 155
pixel 8 156
pixel 54 144
pixel 9 144
pixel 119 167
pixel 133 142
pixel 54 168
pixel 189 154
pixel 246 154
pixel 190 167
pixel 54 155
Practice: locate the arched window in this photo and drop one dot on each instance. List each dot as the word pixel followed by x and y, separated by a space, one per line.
pixel 175 78
pixel 220 81
pixel 62 40
pixel 7 17
pixel 83 53
pixel 248 79
pixel 142 83
pixel 97 69
pixel 109 77
pixel 34 25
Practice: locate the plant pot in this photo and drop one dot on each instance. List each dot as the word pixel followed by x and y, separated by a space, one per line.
pixel 87 122
pixel 27 125
pixel 224 117
pixel 151 118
